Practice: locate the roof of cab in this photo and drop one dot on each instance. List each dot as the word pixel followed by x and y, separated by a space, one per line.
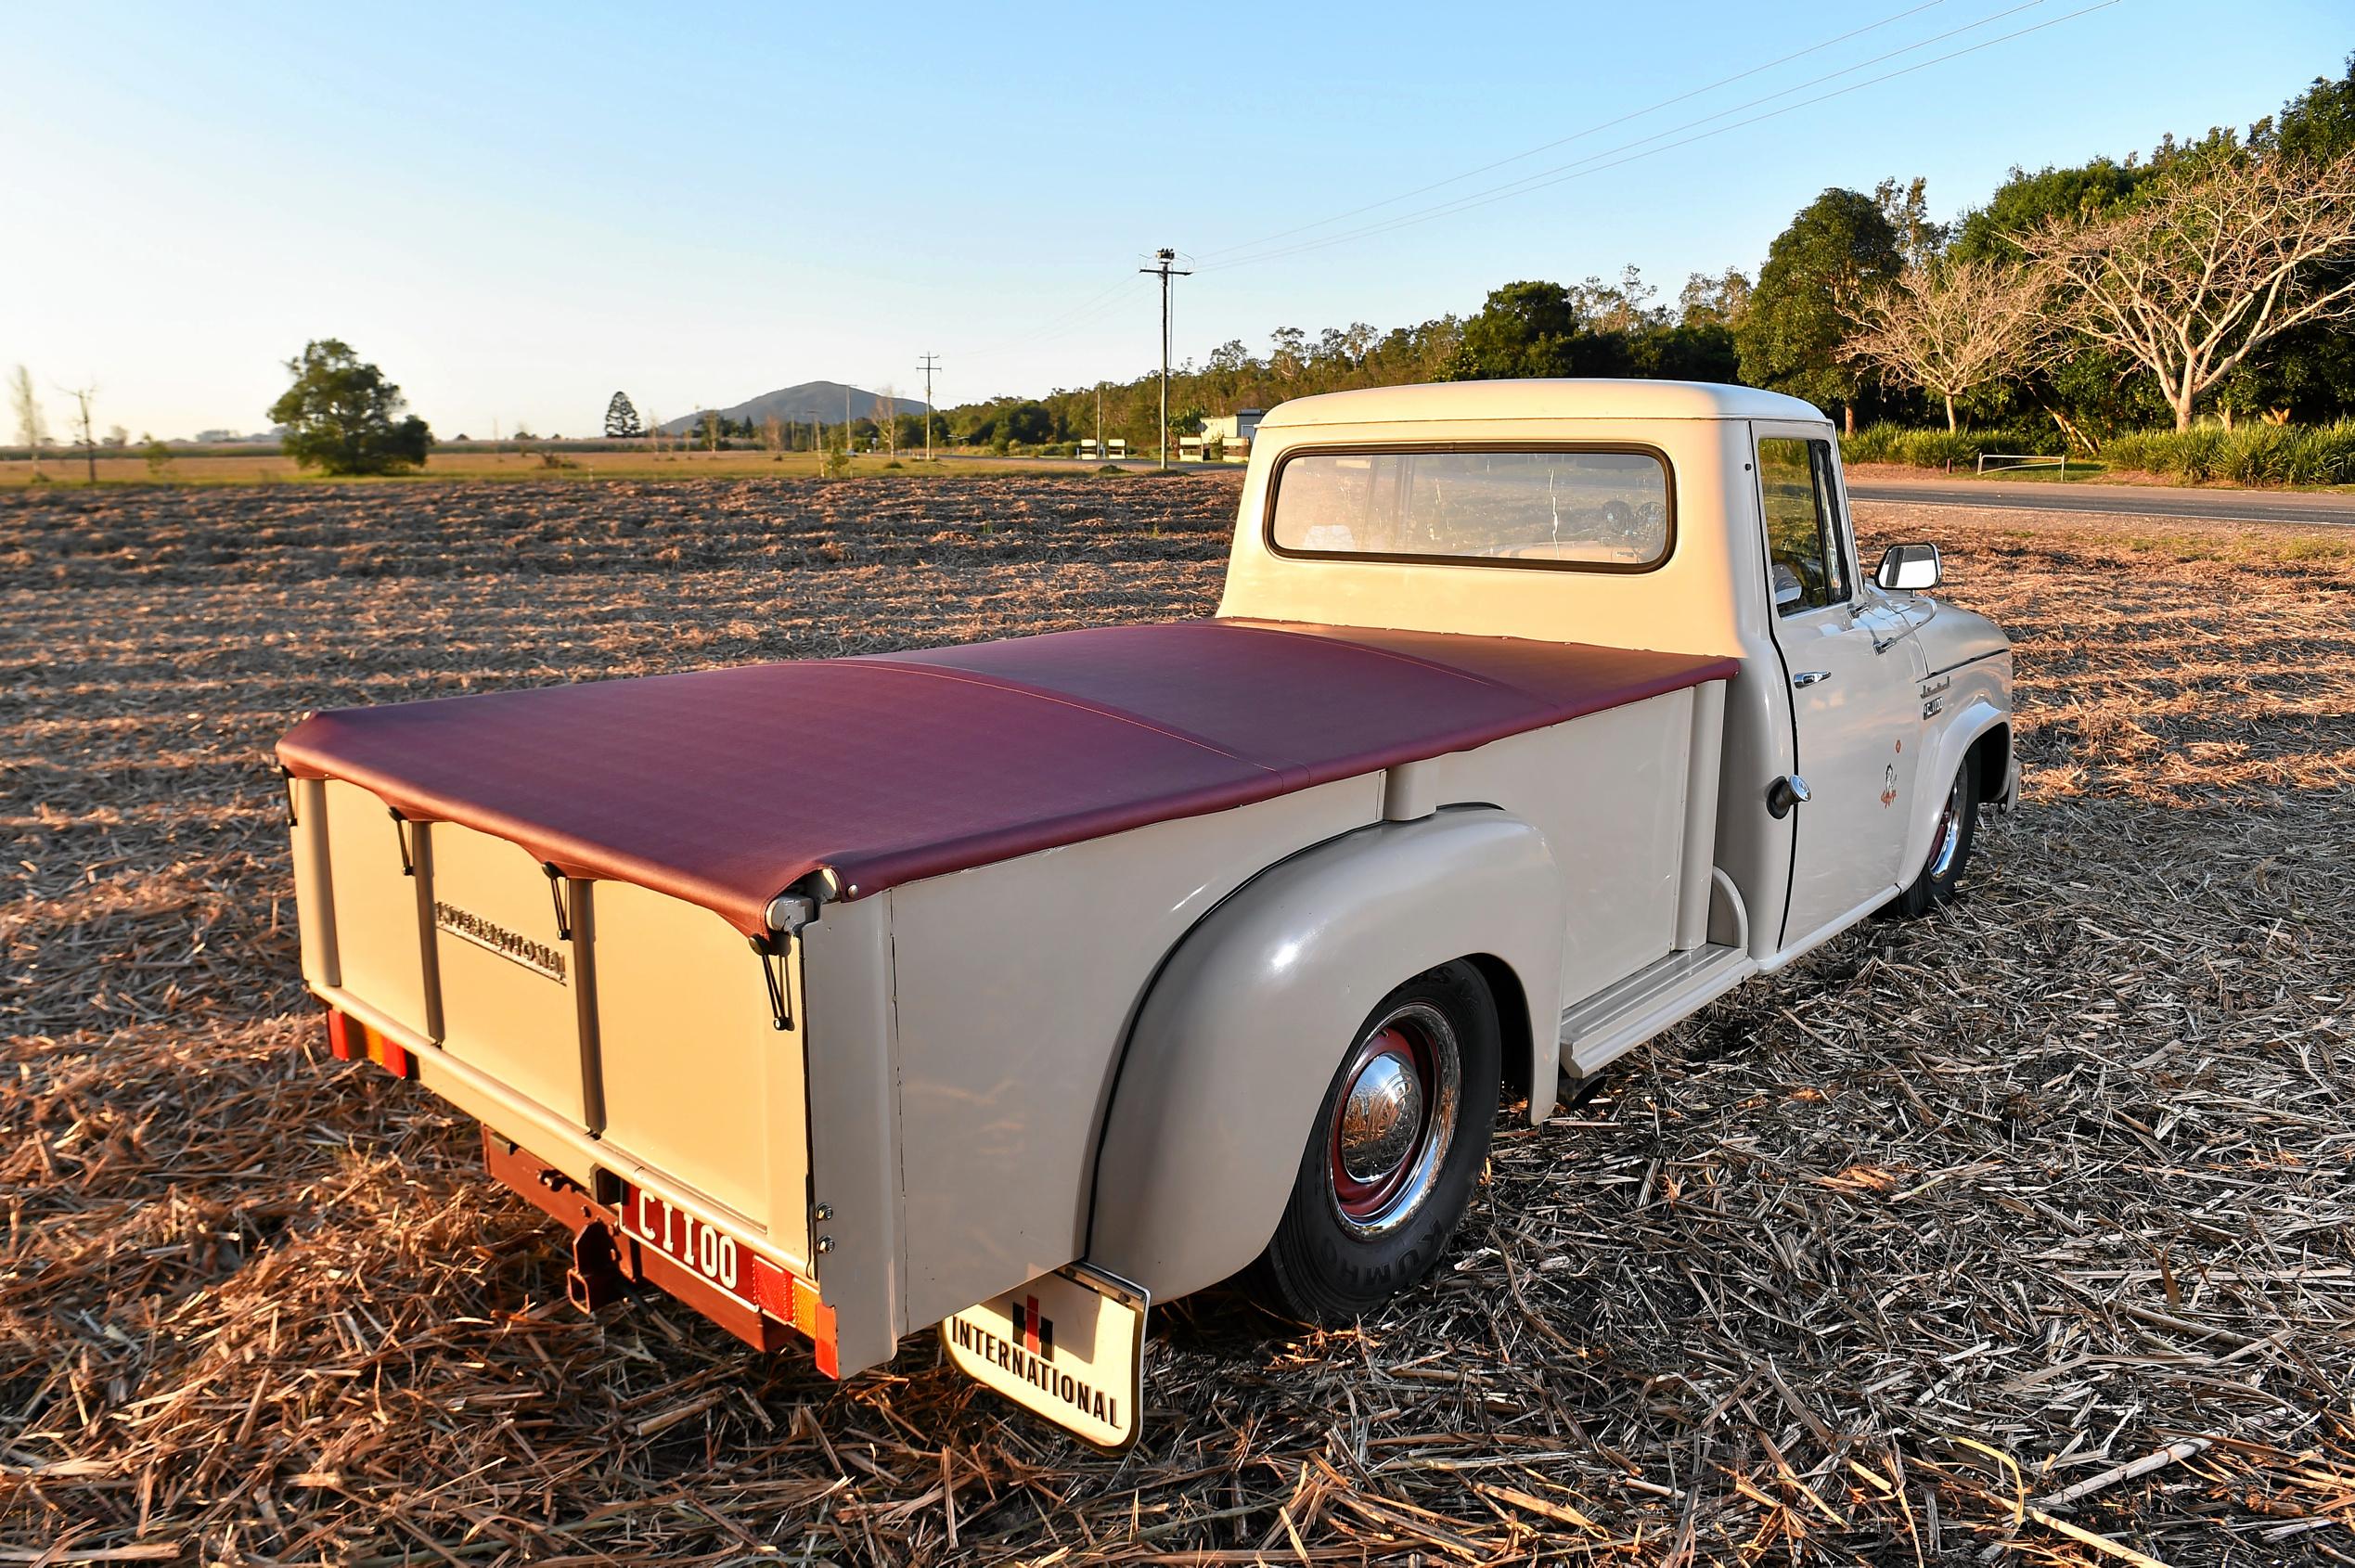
pixel 1555 399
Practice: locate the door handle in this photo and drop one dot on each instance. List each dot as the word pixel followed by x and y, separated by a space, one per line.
pixel 1808 677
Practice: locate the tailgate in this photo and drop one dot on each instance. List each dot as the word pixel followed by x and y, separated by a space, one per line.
pixel 624 1034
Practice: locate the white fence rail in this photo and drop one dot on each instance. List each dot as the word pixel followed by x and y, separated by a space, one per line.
pixel 2019 462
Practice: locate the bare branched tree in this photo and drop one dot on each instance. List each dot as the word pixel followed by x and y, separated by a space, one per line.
pixel 87 441
pixel 33 430
pixel 1948 327
pixel 2205 270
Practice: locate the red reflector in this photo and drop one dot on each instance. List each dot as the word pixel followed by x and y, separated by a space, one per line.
pixel 829 1359
pixel 794 1301
pixel 352 1041
pixel 772 1289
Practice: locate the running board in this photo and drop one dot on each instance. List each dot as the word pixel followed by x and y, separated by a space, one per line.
pixel 1621 1017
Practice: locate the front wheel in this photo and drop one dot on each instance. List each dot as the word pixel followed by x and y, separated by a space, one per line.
pixel 1949 848
pixel 1398 1142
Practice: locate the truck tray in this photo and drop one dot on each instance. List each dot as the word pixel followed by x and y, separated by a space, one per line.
pixel 725 787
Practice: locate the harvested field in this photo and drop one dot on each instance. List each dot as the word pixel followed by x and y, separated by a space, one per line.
pixel 268 466
pixel 2024 1233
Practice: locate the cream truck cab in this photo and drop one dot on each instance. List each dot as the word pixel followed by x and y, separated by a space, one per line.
pixel 1010 987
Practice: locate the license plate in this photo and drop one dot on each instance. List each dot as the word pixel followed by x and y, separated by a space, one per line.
pixel 704 1249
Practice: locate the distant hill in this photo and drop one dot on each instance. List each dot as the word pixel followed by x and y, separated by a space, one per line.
pixel 820 401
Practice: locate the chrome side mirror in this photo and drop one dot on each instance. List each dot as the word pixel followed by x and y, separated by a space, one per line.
pixel 1910 569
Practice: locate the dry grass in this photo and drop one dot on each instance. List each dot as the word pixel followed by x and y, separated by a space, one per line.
pixel 1946 1226
pixel 267 465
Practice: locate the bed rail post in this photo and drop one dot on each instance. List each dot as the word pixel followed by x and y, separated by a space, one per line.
pixel 1700 815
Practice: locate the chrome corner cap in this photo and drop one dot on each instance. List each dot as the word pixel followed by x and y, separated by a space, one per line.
pixel 788 912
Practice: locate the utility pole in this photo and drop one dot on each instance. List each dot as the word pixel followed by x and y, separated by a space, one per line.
pixel 931 364
pixel 1101 454
pixel 1163 257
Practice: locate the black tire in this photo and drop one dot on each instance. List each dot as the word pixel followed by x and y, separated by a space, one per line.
pixel 1327 1265
pixel 1942 871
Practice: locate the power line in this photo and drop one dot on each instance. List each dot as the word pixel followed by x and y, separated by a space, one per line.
pixel 1608 157
pixel 1092 309
pixel 1162 260
pixel 1114 304
pixel 1581 136
pixel 1595 163
pixel 1057 325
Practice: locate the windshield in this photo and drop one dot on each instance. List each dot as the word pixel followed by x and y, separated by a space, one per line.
pixel 1597 510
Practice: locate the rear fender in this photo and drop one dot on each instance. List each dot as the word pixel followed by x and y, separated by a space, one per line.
pixel 1240 1035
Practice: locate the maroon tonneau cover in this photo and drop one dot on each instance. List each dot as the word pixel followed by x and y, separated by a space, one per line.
pixel 725 787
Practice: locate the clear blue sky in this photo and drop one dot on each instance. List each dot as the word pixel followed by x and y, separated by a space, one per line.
pixel 516 210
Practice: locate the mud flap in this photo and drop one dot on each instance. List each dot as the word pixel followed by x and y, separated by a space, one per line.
pixel 1069 1345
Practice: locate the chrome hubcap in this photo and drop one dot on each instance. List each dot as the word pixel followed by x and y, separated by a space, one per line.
pixel 1949 838
pixel 1395 1121
pixel 1381 1117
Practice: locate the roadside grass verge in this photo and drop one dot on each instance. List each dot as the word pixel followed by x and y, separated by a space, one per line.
pixel 2253 455
pixel 2250 454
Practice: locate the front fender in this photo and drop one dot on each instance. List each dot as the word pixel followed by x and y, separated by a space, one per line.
pixel 1965 721
pixel 1240 1037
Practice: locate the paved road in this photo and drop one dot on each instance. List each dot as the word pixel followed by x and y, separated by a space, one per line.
pixel 2222 505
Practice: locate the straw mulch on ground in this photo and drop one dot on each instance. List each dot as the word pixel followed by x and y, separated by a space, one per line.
pixel 2018 1234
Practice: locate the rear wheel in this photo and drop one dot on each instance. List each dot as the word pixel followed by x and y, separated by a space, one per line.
pixel 1399 1140
pixel 1949 847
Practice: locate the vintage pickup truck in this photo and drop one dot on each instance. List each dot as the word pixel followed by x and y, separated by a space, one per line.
pixel 1010 987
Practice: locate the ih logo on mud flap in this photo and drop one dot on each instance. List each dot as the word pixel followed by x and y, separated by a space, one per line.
pixel 1034 1328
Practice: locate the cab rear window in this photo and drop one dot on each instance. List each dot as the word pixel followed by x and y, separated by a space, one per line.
pixel 1582 508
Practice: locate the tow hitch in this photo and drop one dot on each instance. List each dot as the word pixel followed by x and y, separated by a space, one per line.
pixel 593 1281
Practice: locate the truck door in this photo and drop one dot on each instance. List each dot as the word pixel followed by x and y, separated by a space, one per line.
pixel 1852 664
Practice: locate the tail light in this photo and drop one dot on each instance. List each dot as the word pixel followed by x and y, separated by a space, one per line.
pixel 351 1041
pixel 790 1299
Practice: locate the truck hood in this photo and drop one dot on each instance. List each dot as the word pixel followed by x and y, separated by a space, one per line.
pixel 725 788
pixel 1957 637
